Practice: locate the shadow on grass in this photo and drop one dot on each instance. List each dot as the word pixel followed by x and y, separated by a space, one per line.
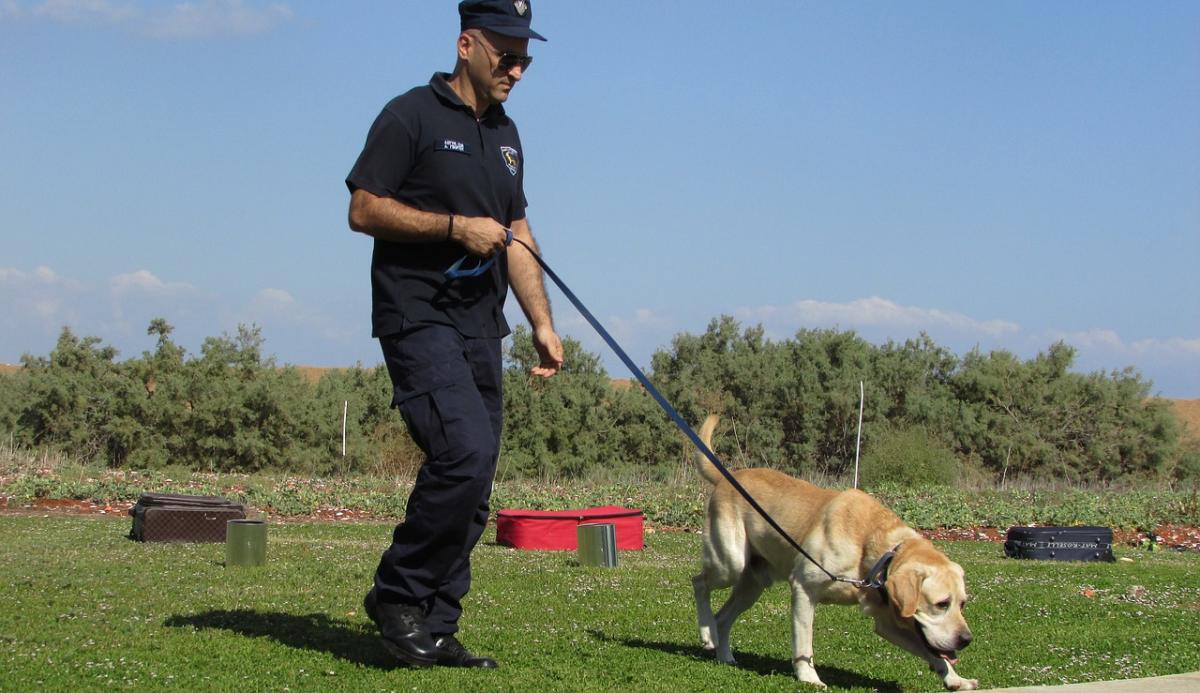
pixel 764 666
pixel 342 639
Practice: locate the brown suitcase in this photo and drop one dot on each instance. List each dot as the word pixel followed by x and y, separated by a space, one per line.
pixel 177 517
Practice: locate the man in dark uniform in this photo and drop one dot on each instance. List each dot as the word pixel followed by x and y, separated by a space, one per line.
pixel 441 176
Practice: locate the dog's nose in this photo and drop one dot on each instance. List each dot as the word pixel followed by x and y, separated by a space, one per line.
pixel 964 639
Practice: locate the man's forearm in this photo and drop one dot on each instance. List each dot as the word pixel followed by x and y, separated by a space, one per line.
pixel 525 276
pixel 389 220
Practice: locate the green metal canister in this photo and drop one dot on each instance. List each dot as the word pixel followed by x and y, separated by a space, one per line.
pixel 245 543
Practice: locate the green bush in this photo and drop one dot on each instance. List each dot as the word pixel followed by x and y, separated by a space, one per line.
pixel 907 458
pixel 790 404
pixel 1187 469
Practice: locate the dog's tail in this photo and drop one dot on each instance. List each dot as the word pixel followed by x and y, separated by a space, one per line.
pixel 703 464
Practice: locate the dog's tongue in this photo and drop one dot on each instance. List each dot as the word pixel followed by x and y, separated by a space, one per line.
pixel 949 658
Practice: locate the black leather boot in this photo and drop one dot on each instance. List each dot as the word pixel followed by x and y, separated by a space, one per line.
pixel 404 632
pixel 451 653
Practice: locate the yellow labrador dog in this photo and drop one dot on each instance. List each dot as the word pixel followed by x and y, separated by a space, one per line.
pixel 919 609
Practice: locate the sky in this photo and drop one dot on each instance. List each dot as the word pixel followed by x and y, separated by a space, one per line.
pixel 997 175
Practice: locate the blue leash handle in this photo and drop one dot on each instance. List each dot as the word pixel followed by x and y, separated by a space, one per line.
pixel 456 271
pixel 671 412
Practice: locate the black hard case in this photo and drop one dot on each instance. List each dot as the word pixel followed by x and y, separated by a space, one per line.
pixel 177 517
pixel 1060 543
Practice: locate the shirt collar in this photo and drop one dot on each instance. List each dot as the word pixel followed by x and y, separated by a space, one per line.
pixel 441 86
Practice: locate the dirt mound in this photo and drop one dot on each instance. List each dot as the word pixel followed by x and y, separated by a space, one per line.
pixel 311 374
pixel 8 368
pixel 1188 411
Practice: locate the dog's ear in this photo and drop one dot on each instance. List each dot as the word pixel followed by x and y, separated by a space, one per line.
pixel 904 590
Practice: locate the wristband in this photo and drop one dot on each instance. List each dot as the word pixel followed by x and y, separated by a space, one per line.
pixel 450 228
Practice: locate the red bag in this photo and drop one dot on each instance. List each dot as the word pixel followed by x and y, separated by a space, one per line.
pixel 554 530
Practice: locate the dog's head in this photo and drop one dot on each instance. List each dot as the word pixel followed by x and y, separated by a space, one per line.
pixel 926 594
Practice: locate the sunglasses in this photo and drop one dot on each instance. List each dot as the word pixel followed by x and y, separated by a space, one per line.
pixel 508 60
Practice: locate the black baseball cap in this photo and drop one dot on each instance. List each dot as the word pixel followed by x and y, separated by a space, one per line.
pixel 505 17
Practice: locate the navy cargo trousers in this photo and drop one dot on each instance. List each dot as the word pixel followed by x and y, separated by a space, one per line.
pixel 448 389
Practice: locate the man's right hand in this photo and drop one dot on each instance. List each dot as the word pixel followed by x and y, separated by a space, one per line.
pixel 481 236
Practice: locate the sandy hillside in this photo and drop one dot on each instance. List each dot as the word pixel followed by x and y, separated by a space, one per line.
pixel 311 373
pixel 1188 411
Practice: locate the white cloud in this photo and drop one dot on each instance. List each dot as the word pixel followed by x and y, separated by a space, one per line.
pixel 137 297
pixel 41 275
pixel 39 299
pixel 278 312
pixel 216 18
pixel 1174 345
pixel 83 11
pixel 643 320
pixel 38 303
pixel 146 282
pixel 1089 339
pixel 141 279
pixel 10 9
pixel 274 298
pixel 46 308
pixel 187 20
pixel 1109 341
pixel 873 312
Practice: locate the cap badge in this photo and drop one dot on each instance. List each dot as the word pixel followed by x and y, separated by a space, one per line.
pixel 511 159
pixel 521 7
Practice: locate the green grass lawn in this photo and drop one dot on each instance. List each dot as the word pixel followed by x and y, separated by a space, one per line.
pixel 83 608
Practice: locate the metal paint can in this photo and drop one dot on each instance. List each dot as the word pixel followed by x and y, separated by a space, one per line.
pixel 597 544
pixel 245 542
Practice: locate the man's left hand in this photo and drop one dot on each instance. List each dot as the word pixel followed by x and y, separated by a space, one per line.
pixel 550 350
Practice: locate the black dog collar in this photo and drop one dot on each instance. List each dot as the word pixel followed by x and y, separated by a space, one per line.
pixel 877 575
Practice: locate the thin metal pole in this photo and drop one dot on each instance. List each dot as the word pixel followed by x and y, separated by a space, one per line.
pixel 858 443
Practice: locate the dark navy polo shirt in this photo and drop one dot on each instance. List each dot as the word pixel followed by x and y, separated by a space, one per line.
pixel 428 151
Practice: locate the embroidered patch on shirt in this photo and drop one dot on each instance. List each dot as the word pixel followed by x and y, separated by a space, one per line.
pixel 452 146
pixel 512 159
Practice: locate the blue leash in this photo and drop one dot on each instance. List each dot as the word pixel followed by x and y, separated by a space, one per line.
pixel 456 271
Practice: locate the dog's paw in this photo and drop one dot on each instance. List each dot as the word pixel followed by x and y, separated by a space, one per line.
pixel 807 674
